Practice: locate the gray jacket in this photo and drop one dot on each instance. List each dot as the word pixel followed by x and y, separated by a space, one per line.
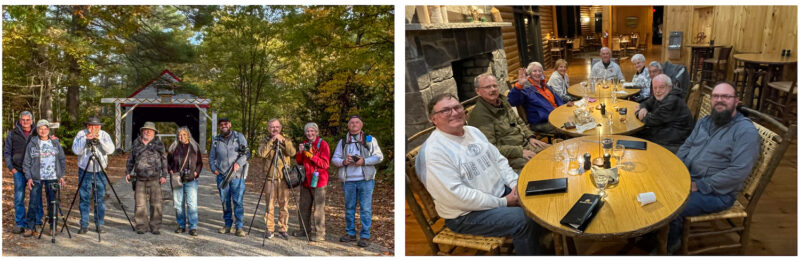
pixel 32 162
pixel 719 160
pixel 369 150
pixel 223 154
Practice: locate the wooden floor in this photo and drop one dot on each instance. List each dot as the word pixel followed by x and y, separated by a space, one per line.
pixel 774 227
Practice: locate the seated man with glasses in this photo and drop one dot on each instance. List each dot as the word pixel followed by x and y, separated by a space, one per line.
pixel 473 187
pixel 503 127
pixel 667 119
pixel 720 153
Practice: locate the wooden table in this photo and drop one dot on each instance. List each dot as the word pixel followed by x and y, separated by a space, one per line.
pixel 632 124
pixel 700 52
pixel 579 91
pixel 752 62
pixel 653 170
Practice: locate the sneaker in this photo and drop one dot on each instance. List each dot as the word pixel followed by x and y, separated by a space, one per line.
pixel 193 232
pixel 364 242
pixel 347 238
pixel 28 233
pixel 155 232
pixel 224 230
pixel 269 235
pixel 240 232
pixel 298 234
pixel 83 230
pixel 18 230
pixel 283 235
pixel 180 230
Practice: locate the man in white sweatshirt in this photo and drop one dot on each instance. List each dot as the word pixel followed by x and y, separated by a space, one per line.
pixel 472 185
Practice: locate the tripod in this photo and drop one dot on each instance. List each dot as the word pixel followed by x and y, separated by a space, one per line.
pixel 94 158
pixel 55 205
pixel 278 154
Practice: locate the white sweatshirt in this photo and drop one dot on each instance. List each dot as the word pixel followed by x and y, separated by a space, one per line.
pixel 463 174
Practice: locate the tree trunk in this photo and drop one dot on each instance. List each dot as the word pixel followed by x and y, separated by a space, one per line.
pixel 46 105
pixel 78 29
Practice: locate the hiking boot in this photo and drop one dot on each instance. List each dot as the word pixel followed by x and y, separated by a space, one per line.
pixel 83 230
pixel 180 230
pixel 101 230
pixel 155 232
pixel 18 230
pixel 224 230
pixel 318 239
pixel 28 233
pixel 240 232
pixel 299 234
pixel 193 232
pixel 269 235
pixel 139 232
pixel 283 235
pixel 347 238
pixel 364 242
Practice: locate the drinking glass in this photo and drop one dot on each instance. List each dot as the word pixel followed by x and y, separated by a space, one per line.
pixel 572 151
pixel 577 170
pixel 600 181
pixel 558 153
pixel 619 152
pixel 607 146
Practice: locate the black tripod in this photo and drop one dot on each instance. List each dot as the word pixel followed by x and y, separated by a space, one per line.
pixel 55 209
pixel 94 158
pixel 278 154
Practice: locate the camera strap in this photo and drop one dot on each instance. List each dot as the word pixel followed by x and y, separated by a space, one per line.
pixel 185 159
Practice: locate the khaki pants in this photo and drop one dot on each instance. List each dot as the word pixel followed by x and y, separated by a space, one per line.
pixel 282 191
pixel 148 191
pixel 313 218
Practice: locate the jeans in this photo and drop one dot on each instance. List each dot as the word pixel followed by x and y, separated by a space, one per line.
pixel 99 197
pixel 187 194
pixel 502 221
pixel 35 202
pixel 698 204
pixel 361 192
pixel 19 201
pixel 234 192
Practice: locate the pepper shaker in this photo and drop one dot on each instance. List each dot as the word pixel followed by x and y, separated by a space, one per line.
pixel 587 161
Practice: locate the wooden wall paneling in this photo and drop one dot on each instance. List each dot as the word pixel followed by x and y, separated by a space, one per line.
pixel 510 44
pixel 750 38
pixel 675 19
pixel 546 21
pixel 586 29
pixel 780 29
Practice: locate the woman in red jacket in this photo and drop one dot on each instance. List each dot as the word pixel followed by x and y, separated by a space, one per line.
pixel 314 155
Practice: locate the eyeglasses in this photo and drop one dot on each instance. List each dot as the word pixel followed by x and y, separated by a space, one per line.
pixel 449 111
pixel 487 87
pixel 722 97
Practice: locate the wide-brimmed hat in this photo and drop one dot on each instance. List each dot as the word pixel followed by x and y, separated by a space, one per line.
pixel 93 120
pixel 42 122
pixel 149 125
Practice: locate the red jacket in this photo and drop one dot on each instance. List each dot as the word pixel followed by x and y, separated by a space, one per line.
pixel 319 162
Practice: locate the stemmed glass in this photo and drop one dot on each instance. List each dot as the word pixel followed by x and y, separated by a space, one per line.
pixel 600 181
pixel 619 151
pixel 572 151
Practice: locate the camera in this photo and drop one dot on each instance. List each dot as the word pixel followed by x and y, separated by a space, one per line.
pixel 242 149
pixel 54 186
pixel 355 158
pixel 92 142
pixel 307 146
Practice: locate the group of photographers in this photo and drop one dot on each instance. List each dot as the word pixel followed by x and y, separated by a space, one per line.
pixel 38 161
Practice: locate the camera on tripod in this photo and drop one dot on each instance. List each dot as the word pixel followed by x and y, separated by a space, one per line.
pixel 92 142
pixel 54 186
pixel 242 150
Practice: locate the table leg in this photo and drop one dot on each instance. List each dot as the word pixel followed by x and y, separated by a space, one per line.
pixel 749 83
pixel 569 246
pixel 663 235
pixel 558 244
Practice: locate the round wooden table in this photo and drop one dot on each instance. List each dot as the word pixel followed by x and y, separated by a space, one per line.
pixel 654 170
pixel 579 91
pixel 752 62
pixel 632 124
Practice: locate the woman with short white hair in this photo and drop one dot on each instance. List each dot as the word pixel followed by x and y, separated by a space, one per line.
pixel 315 157
pixel 536 97
pixel 641 79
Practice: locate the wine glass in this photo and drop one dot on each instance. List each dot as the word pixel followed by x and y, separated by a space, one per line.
pixel 600 181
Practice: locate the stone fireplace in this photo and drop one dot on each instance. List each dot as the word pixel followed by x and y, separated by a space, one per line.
pixel 445 58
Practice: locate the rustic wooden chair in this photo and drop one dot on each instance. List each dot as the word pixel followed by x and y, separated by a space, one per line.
pixel 616 50
pixel 738 218
pixel 779 100
pixel 441 239
pixel 716 68
pixel 703 107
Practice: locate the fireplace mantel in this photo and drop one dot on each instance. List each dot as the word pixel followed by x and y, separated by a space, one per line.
pixel 447 26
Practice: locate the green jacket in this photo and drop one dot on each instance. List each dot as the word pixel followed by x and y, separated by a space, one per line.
pixel 502 126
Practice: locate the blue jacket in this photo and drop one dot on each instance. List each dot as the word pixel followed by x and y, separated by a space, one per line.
pixel 719 160
pixel 537 108
pixel 223 154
